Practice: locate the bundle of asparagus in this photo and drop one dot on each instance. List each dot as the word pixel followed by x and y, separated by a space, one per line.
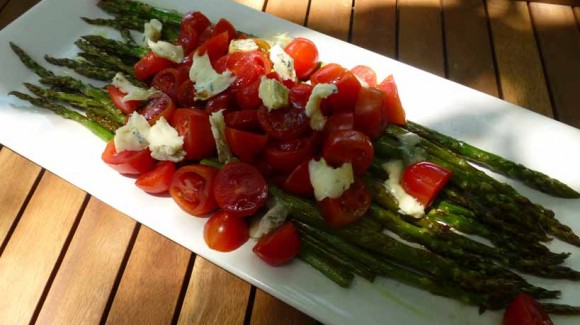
pixel 449 263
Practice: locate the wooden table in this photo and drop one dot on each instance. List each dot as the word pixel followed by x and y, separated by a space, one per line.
pixel 65 257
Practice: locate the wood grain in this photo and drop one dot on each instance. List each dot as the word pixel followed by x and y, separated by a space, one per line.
pixel 331 17
pixel 468 48
pixel 374 26
pixel 518 61
pixel 81 289
pixel 294 11
pixel 35 246
pixel 18 175
pixel 214 296
pixel 269 310
pixel 559 40
pixel 420 35
pixel 151 283
pixel 13 9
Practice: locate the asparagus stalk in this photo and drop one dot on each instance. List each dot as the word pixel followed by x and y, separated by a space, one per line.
pixel 75 100
pixel 319 261
pixel 117 24
pixel 141 10
pixel 101 57
pixel 31 63
pixel 83 68
pixel 121 49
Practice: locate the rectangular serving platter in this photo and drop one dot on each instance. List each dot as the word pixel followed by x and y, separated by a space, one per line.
pixel 73 153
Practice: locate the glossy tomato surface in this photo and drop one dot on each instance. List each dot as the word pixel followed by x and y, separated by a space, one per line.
pixel 116 96
pixel 280 246
pixel 191 188
pixel 127 162
pixel 394 109
pixel 348 208
pixel 193 124
pixel 158 180
pixel 348 146
pixel 298 182
pixel 284 156
pixel 246 145
pixel 305 55
pixel 524 310
pixel 149 65
pixel 369 113
pixel 345 81
pixel 225 233
pixel 423 180
pixel 283 123
pixel 366 74
pixel 159 105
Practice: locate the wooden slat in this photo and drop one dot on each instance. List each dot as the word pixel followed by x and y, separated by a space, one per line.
pixel 559 40
pixel 374 26
pixel 331 17
pixel 577 14
pixel 13 9
pixel 208 301
pixel 468 48
pixel 518 61
pixel 17 175
pixel 81 289
pixel 294 11
pixel 151 283
pixel 269 310
pixel 35 246
pixel 420 35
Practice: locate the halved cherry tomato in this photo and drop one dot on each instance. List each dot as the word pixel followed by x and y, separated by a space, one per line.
pixel 223 25
pixel 283 123
pixel 168 81
pixel 305 55
pixel 393 107
pixel 191 188
pixel 345 81
pixel 348 146
pixel 149 65
pixel 338 121
pixel 225 233
pixel 116 96
pixel 366 74
pixel 158 105
pixel 369 114
pixel 298 182
pixel 215 47
pixel 192 25
pixel 240 189
pixel 246 120
pixel 186 94
pixel 299 95
pixel 158 179
pixel 248 97
pixel 348 208
pixel 423 180
pixel 127 161
pixel 246 145
pixel 524 310
pixel 246 66
pixel 193 124
pixel 284 156
pixel 280 246
pixel 221 101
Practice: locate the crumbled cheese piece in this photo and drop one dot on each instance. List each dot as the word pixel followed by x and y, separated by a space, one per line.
pixel 407 204
pixel 152 31
pixel 283 63
pixel 165 143
pixel 273 94
pixel 411 152
pixel 134 135
pixel 242 45
pixel 328 181
pixel 319 92
pixel 207 81
pixel 167 50
pixel 218 125
pixel 274 218
pixel 132 92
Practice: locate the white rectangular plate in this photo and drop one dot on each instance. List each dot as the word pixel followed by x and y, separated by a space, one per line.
pixel 73 153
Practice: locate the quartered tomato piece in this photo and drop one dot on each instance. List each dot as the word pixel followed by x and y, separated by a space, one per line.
pixel 191 188
pixel 348 146
pixel 158 105
pixel 345 81
pixel 168 81
pixel 369 113
pixel 193 124
pixel 366 74
pixel 127 161
pixel 225 233
pixel 524 310
pixel 192 25
pixel 246 145
pixel 215 47
pixel 149 65
pixel 280 246
pixel 305 55
pixel 158 179
pixel 423 180
pixel 116 96
pixel 223 25
pixel 348 208
pixel 393 107
pixel 298 182
pixel 299 94
pixel 283 123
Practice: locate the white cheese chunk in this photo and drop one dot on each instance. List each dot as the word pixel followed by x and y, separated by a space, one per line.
pixel 411 152
pixel 218 125
pixel 328 181
pixel 242 45
pixel 407 204
pixel 274 218
pixel 165 143
pixel 273 94
pixel 134 135
pixel 283 63
pixel 167 50
pixel 320 91
pixel 207 81
pixel 152 31
pixel 132 92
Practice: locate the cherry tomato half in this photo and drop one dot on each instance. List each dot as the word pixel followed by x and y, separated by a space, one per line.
pixel 352 146
pixel 283 123
pixel 524 310
pixel 246 145
pixel 149 65
pixel 305 55
pixel 394 109
pixel 116 96
pixel 280 246
pixel 348 208
pixel 423 180
pixel 366 74
pixel 127 161
pixel 369 113
pixel 168 81
pixel 158 179
pixel 345 81
pixel 298 182
pixel 284 156
pixel 191 188
pixel 157 106
pixel 193 124
pixel 225 233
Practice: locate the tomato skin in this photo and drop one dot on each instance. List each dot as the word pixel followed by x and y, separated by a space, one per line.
pixel 246 120
pixel 423 180
pixel 192 25
pixel 186 94
pixel 348 208
pixel 157 106
pixel 193 124
pixel 158 180
pixel 352 146
pixel 524 310
pixel 366 74
pixel 345 81
pixel 221 101
pixel 149 65
pixel 305 55
pixel 116 96
pixel 248 96
pixel 298 182
pixel 299 94
pixel 393 108
pixel 284 156
pixel 215 47
pixel 127 162
pixel 369 113
pixel 283 123
pixel 338 121
pixel 168 81
pixel 245 145
pixel 280 246
pixel 191 188
pixel 225 233
pixel 240 189
pixel 223 25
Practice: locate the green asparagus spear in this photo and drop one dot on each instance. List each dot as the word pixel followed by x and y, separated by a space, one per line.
pixel 30 63
pixel 75 100
pixel 121 49
pixel 316 259
pixel 83 68
pixel 116 24
pixel 137 9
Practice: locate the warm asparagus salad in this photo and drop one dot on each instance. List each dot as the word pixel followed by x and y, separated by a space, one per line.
pixel 314 161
